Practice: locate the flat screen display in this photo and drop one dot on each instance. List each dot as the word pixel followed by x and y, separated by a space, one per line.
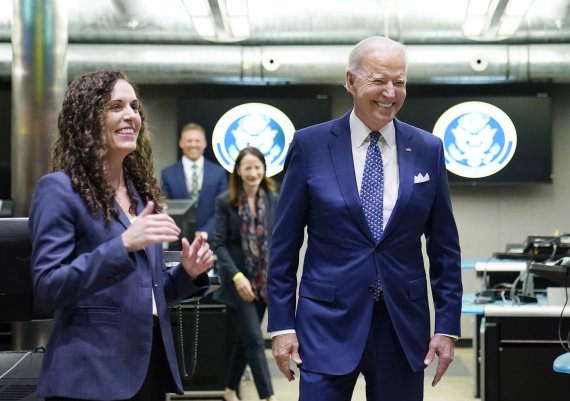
pixel 503 140
pixel 16 288
pixel 268 123
pixel 17 301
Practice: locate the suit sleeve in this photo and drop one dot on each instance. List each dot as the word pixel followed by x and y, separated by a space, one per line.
pixel 178 285
pixel 442 243
pixel 164 182
pixel 221 187
pixel 288 236
pixel 220 240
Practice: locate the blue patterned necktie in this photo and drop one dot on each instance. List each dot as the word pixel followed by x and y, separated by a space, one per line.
pixel 372 188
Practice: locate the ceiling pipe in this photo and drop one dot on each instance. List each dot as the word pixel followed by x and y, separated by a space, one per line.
pixel 263 65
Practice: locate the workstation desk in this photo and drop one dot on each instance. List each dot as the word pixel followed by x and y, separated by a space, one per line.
pixel 514 349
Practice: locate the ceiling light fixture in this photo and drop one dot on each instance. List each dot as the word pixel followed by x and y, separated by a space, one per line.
pixel 494 19
pixel 239 25
pixel 202 18
pixel 219 20
pixel 513 17
pixel 478 7
pixel 236 7
pixel 235 17
pixel 197 8
pixel 205 27
pixel 518 7
pixel 478 16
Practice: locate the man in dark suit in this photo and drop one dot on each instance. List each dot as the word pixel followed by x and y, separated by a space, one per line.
pixel 367 187
pixel 194 177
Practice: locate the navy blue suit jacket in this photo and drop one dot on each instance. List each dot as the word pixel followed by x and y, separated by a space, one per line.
pixel 336 297
pixel 215 182
pixel 101 340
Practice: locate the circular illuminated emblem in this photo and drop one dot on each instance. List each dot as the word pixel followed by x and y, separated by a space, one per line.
pixel 479 139
pixel 253 124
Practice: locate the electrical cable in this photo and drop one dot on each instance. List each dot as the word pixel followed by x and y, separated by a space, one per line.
pixel 484 278
pixel 565 344
pixel 16 364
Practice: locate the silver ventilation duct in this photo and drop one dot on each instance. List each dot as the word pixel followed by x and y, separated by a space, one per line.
pixel 258 65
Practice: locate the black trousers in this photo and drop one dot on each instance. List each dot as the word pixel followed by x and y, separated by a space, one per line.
pixel 157 376
pixel 249 348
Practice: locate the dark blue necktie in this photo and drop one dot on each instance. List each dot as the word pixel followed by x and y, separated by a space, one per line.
pixel 372 196
pixel 372 188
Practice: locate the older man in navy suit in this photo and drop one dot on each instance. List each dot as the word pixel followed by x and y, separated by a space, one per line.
pixel 366 187
pixel 194 177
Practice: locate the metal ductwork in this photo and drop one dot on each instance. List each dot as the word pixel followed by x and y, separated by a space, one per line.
pixel 298 64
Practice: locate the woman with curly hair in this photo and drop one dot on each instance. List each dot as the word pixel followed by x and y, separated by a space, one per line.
pixel 97 259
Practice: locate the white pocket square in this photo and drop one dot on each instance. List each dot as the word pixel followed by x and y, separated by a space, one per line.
pixel 421 178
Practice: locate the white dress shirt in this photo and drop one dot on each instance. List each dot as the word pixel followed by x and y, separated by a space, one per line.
pixel 359 138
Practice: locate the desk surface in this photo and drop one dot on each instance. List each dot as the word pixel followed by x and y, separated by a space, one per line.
pixel 502 308
pixel 528 310
pixel 501 266
pixel 469 263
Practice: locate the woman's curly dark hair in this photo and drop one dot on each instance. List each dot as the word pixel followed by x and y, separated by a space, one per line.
pixel 80 147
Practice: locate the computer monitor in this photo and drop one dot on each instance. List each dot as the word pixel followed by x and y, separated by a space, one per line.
pixel 556 273
pixel 16 289
pixel 184 214
pixel 17 302
pixel 541 247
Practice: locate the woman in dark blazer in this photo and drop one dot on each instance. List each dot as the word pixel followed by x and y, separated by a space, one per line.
pixel 97 260
pixel 242 234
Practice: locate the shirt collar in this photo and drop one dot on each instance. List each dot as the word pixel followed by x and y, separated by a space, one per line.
pixel 186 162
pixel 359 131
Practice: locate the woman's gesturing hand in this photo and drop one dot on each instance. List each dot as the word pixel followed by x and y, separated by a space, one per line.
pixel 196 257
pixel 148 229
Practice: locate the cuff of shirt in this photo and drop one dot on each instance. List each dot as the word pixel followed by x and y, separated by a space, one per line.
pixel 237 276
pixel 449 335
pixel 279 332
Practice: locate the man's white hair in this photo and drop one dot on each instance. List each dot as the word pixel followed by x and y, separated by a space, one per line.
pixel 372 44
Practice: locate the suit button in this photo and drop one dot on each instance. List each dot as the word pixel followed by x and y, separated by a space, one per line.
pixel 371 289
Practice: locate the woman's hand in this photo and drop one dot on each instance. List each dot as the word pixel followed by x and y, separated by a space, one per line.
pixel 196 258
pixel 148 229
pixel 243 287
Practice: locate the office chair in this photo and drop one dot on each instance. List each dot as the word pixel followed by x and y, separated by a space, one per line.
pixel 562 363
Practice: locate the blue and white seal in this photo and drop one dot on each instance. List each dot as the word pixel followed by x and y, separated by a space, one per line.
pixel 253 124
pixel 479 139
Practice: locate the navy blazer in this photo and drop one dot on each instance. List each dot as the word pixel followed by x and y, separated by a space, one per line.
pixel 226 244
pixel 215 182
pixel 101 340
pixel 336 293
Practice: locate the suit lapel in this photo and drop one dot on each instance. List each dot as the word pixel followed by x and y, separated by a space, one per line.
pixel 406 167
pixel 205 191
pixel 123 219
pixel 149 250
pixel 340 148
pixel 181 178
